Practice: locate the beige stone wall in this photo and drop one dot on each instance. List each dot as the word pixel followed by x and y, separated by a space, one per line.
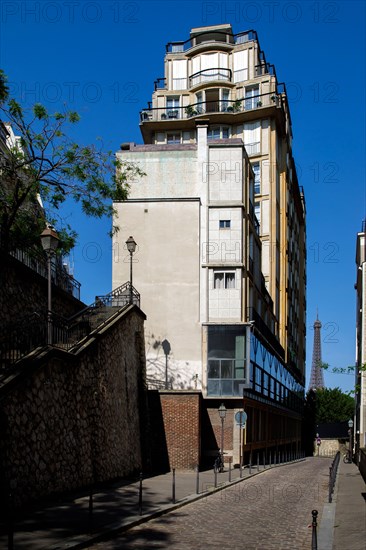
pixel 67 420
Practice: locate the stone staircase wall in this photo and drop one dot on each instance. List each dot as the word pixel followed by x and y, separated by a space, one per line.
pixel 69 420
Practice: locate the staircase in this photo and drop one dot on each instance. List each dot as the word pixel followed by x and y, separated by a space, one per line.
pixel 30 332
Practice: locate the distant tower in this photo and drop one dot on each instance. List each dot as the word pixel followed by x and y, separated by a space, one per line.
pixel 317 377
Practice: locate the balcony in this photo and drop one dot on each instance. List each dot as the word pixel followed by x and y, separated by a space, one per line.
pixel 210 36
pixel 218 106
pixel 207 75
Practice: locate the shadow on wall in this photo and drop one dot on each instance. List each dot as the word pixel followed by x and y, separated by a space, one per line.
pixel 208 442
pixel 161 372
pixel 158 444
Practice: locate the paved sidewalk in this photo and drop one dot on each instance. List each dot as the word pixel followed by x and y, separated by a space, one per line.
pixel 69 524
pixel 343 523
pixel 350 514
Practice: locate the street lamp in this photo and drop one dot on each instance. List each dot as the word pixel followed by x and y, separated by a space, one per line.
pixel 222 415
pixel 131 247
pixel 350 426
pixel 49 240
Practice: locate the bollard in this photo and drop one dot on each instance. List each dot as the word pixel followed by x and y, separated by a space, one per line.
pixel 240 470
pixel 314 539
pixel 10 524
pixel 215 473
pixel 264 460
pixel 250 467
pixel 229 469
pixel 258 462
pixel 140 495
pixel 270 458
pixel 173 487
pixel 91 501
pixel 197 480
pixel 274 459
pixel 330 484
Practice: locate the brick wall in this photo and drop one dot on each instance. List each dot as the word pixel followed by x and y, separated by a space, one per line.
pixel 181 424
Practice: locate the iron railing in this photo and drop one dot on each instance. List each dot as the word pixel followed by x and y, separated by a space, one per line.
pixel 219 36
pixel 31 332
pixel 244 104
pixel 38 262
pixel 333 475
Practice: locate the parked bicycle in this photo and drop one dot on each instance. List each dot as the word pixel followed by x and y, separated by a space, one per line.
pixel 219 463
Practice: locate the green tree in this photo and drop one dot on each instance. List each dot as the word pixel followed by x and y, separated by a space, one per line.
pixel 44 162
pixel 332 405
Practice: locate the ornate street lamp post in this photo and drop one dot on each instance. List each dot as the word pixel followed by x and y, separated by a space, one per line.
pixel 222 414
pixel 49 240
pixel 131 247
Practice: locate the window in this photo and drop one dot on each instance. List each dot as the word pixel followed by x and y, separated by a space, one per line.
pixel 199 105
pixel 172 107
pixel 257 211
pixel 225 224
pixel 252 136
pixel 218 132
pixel 225 99
pixel 257 177
pixel 224 280
pixel 252 98
pixel 173 138
pixel 226 364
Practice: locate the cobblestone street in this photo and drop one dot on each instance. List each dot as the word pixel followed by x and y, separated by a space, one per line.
pixel 271 511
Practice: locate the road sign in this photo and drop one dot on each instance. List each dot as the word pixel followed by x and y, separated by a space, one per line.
pixel 241 417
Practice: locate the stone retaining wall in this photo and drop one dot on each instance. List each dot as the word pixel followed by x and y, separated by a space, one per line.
pixel 67 421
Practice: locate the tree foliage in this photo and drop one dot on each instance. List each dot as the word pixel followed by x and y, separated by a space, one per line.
pixel 44 162
pixel 332 405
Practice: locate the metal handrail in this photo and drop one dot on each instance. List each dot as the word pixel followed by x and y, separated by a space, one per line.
pixel 333 474
pixel 30 332
pixel 36 261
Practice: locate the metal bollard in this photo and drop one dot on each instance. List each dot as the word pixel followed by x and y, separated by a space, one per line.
pixel 258 462
pixel 250 467
pixel 197 480
pixel 10 524
pixel 173 487
pixel 230 469
pixel 270 458
pixel 215 473
pixel 140 495
pixel 91 501
pixel 264 460
pixel 314 538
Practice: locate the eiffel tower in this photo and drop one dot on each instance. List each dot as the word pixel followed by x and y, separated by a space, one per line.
pixel 317 376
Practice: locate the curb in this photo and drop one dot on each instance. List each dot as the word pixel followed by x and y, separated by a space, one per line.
pixel 110 531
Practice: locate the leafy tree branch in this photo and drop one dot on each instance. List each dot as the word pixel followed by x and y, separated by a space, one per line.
pixel 41 165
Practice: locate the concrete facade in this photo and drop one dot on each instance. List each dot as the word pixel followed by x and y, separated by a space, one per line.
pixel 219 219
pixel 360 379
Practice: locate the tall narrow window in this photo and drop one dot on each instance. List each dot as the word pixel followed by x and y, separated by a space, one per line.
pixel 172 107
pixel 251 97
pixel 257 177
pixel 224 99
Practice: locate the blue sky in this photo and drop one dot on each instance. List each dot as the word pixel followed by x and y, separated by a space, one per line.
pixel 101 59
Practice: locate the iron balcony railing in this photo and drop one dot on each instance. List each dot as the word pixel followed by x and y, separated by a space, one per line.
pixel 218 106
pixel 31 332
pixel 37 261
pixel 207 75
pixel 211 36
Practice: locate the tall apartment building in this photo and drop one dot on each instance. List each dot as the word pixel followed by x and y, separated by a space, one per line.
pixel 219 220
pixel 360 286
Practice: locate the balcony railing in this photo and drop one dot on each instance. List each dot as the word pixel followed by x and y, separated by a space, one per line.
pixel 211 36
pixel 218 106
pixel 38 262
pixel 207 75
